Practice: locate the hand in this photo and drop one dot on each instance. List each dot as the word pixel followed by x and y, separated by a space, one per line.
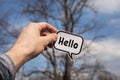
pixel 32 40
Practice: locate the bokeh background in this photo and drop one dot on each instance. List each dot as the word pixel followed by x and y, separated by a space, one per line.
pixel 98 21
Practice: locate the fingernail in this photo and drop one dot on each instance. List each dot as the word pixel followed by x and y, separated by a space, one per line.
pixel 56 36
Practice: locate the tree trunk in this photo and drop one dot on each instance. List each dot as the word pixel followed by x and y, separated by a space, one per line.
pixel 68 66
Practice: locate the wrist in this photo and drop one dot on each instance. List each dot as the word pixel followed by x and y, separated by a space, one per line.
pixel 17 56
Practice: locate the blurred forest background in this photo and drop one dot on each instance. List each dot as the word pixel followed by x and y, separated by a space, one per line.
pixel 75 16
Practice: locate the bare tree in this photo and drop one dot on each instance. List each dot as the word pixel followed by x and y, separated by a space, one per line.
pixel 68 13
pixel 65 15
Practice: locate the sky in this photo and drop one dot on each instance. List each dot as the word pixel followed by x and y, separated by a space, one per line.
pixel 107 49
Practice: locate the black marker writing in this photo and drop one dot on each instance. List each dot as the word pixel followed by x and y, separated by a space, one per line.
pixel 69 43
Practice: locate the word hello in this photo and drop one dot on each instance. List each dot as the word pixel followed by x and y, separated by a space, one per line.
pixel 68 43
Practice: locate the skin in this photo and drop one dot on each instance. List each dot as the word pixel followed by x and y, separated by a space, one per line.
pixel 33 39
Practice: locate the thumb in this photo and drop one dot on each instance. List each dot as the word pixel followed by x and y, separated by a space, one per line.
pixel 50 38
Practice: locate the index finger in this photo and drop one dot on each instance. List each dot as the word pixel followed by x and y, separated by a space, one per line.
pixel 47 27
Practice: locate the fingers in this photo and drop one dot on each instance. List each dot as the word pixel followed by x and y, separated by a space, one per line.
pixel 44 33
pixel 47 32
pixel 47 27
pixel 49 38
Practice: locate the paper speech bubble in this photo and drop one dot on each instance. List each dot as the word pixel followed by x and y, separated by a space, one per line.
pixel 70 43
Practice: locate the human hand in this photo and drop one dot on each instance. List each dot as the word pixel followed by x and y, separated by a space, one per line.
pixel 32 40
